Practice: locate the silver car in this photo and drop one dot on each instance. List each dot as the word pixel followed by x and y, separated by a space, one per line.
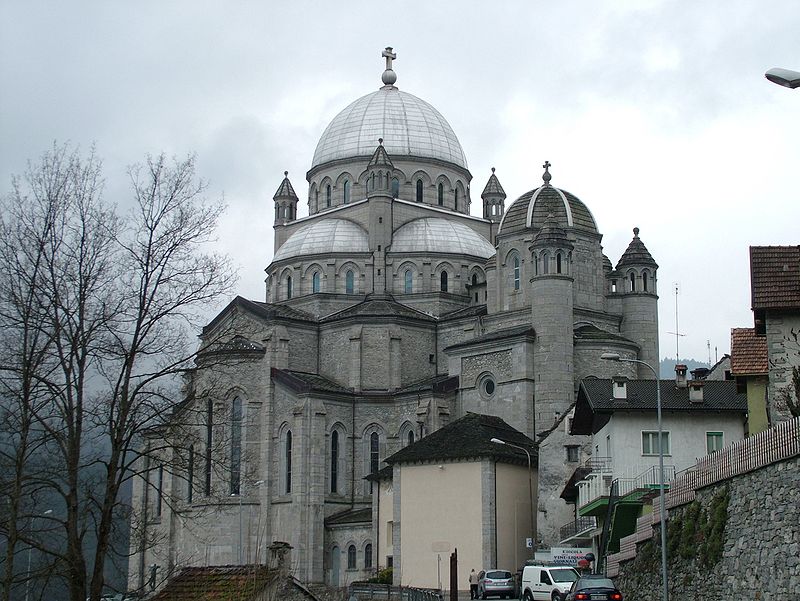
pixel 496 583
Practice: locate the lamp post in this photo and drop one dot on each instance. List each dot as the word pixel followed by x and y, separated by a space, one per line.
pixel 30 548
pixel 530 489
pixel 616 357
pixel 784 77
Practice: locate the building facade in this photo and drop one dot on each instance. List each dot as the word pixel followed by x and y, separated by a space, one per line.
pixel 390 311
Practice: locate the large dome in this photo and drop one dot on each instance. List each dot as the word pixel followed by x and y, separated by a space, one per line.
pixel 409 127
pixel 437 235
pixel 324 238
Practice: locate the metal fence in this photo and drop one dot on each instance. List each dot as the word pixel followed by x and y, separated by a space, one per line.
pixel 776 444
pixel 370 590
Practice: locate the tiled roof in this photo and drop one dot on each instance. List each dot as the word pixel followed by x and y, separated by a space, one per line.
pixel 636 253
pixel 379 305
pixel 285 190
pixel 350 516
pixel 592 332
pixel 265 310
pixel 493 187
pixel 718 395
pixel 306 382
pixel 515 218
pixel 216 583
pixel 468 437
pixel 471 311
pixel 748 352
pixel 523 330
pixel 775 277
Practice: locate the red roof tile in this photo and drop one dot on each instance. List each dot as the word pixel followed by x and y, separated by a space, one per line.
pixel 775 277
pixel 748 352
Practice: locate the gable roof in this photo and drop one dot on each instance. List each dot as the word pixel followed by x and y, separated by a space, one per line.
pixel 748 352
pixel 466 438
pixel 264 310
pixel 216 583
pixel 379 305
pixel 775 277
pixel 595 400
pixel 523 330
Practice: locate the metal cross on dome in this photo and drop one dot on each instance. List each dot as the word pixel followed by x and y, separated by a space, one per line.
pixel 546 175
pixel 389 56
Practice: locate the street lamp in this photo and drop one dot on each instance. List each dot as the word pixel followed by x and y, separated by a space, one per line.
pixel 30 548
pixel 530 490
pixel 616 357
pixel 784 77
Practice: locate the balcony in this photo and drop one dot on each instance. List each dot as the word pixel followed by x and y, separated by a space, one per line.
pixel 594 491
pixel 580 528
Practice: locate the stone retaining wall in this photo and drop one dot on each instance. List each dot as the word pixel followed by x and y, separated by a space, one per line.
pixel 760 542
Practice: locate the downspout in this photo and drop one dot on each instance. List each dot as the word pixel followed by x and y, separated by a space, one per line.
pixel 143 542
pixel 353 456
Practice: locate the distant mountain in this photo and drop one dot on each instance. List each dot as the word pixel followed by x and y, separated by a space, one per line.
pixel 667 367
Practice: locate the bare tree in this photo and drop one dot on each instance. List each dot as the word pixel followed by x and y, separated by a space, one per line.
pixel 114 300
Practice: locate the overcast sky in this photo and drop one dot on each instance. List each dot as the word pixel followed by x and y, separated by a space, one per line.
pixel 655 113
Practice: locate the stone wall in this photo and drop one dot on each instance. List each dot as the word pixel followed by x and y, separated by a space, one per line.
pixel 759 550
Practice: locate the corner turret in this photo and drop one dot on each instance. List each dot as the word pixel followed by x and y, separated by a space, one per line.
pixel 285 202
pixel 494 198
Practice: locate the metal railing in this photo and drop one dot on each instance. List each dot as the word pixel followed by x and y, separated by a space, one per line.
pixel 578 526
pixel 371 590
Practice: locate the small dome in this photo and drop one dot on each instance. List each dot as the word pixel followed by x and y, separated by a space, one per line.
pixel 437 235
pixel 530 211
pixel 409 127
pixel 324 237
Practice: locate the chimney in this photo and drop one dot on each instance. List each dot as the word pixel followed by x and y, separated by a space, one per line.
pixel 620 388
pixel 700 373
pixel 680 376
pixel 696 391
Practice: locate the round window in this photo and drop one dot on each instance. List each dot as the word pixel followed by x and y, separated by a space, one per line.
pixel 488 386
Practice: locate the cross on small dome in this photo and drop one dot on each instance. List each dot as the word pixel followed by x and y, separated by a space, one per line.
pixel 389 76
pixel 546 177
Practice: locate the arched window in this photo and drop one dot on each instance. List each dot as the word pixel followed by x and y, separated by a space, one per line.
pixel 558 262
pixel 409 281
pixel 349 282
pixel 644 281
pixel 633 282
pixel 368 556
pixel 395 187
pixel 328 196
pixel 315 282
pixel 545 263
pixel 236 446
pixel 443 281
pixel 287 458
pixel 351 557
pixel 516 272
pixel 289 287
pixel 474 279
pixel 374 452
pixel 440 194
pixel 190 475
pixel 456 199
pixel 346 191
pixel 316 200
pixel 411 437
pixel 335 461
pixel 160 489
pixel 209 441
pixel 419 190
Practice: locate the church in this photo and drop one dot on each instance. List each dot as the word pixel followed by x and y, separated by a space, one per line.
pixel 391 311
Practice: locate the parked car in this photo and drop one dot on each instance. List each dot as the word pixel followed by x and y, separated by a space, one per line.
pixel 496 583
pixel 593 587
pixel 546 583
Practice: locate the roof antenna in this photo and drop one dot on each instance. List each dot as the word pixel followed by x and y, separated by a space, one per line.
pixel 677 331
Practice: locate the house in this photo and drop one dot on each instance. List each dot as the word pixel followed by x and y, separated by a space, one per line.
pixel 775 300
pixel 460 491
pixel 612 488
pixel 750 368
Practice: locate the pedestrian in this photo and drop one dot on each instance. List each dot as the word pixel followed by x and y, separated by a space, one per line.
pixel 473 584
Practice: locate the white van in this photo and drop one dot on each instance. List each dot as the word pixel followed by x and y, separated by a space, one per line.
pixel 546 583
